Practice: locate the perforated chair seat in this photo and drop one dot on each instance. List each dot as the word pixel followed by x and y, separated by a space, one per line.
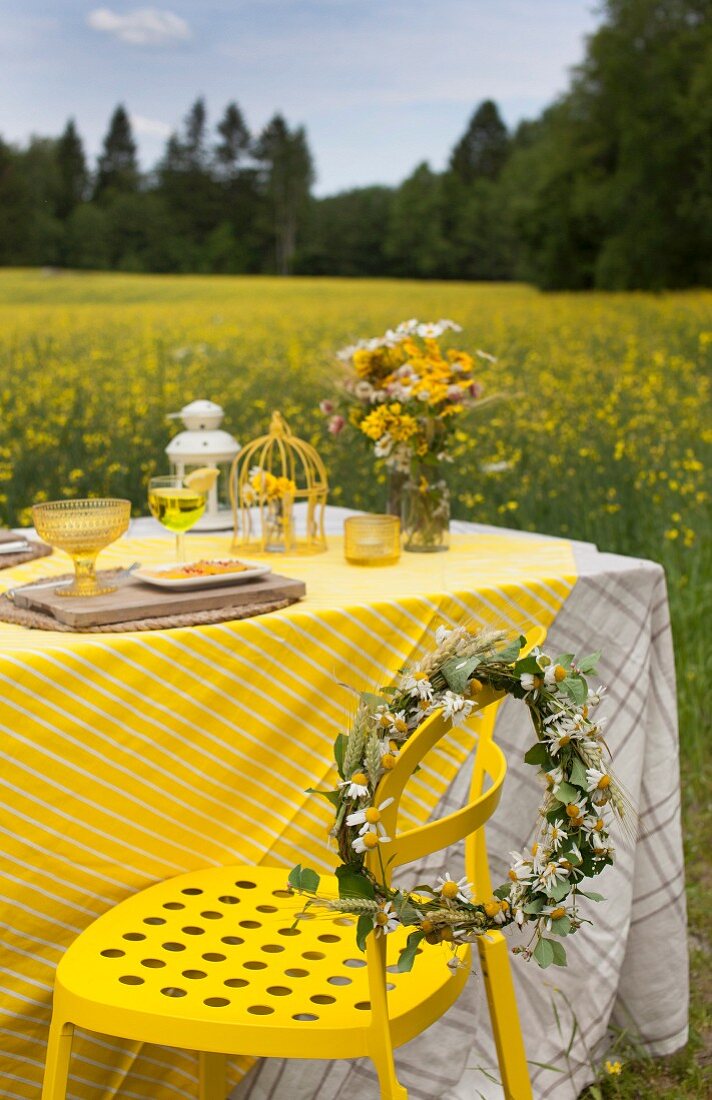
pixel 188 960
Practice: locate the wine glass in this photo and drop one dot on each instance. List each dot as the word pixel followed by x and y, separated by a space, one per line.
pixel 177 506
pixel 82 528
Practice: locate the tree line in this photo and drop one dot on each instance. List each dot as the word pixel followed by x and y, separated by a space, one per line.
pixel 609 188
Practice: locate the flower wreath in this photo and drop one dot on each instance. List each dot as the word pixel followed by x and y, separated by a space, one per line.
pixel 544 884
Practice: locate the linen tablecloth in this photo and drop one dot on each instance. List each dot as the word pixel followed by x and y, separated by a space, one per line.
pixel 134 757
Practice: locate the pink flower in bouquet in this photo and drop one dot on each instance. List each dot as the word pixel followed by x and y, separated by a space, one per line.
pixel 336 424
pixel 327 407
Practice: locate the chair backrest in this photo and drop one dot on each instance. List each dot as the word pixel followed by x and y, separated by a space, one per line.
pixel 489 761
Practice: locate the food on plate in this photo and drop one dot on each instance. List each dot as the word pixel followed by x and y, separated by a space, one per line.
pixel 199 569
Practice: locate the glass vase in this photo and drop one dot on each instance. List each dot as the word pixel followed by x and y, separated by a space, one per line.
pixel 396 481
pixel 278 525
pixel 425 515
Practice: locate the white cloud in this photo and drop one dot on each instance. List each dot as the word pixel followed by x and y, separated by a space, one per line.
pixel 150 127
pixel 143 27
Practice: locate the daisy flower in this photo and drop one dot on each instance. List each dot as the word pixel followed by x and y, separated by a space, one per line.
pixel 369 818
pixel 576 811
pixel 594 822
pixel 357 785
pixel 451 889
pixel 552 875
pixel 418 685
pixel 502 915
pixel 521 869
pixel 529 681
pixel 386 920
pixel 554 777
pixel 368 841
pixel 555 835
pixel 554 674
pixel 597 780
pixel 456 707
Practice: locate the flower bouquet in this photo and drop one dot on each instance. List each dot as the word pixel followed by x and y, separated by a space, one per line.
pixel 404 394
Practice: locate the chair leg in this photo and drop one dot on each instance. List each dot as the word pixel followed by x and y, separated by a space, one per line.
pixel 213 1076
pixel 380 1044
pixel 390 1086
pixel 59 1050
pixel 511 1055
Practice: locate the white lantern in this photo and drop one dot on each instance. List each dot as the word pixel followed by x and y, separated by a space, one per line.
pixel 204 443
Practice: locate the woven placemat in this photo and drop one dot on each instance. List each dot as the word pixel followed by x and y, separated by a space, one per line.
pixel 38 620
pixel 37 550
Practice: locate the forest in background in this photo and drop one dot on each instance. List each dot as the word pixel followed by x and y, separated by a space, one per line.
pixel 609 188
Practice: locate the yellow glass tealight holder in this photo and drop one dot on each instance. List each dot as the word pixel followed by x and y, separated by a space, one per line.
pixel 372 540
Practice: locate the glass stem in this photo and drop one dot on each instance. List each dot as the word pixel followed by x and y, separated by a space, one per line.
pixel 180 547
pixel 85 582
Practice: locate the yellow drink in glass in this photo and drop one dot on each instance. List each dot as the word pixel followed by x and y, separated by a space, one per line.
pixel 176 509
pixel 175 506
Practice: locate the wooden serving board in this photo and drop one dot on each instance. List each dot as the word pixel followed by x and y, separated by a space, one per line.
pixel 136 600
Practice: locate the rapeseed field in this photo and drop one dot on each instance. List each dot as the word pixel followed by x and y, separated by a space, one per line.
pixel 602 432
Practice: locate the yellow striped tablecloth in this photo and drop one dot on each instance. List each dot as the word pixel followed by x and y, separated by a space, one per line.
pixel 133 757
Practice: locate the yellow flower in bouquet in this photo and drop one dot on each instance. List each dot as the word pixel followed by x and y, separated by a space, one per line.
pixel 402 391
pixel 264 484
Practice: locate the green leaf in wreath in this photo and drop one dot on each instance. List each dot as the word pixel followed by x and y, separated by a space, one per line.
pixel 407 955
pixel 565 660
pixel 576 688
pixel 371 700
pixel 303 878
pixel 527 664
pixel 339 749
pixel 537 754
pixel 457 672
pixel 363 927
pixel 591 895
pixel 334 797
pixel 588 664
pixel 353 884
pixel 510 652
pixel 310 880
pixel 577 775
pixel 502 892
pixel 544 953
pixel 558 892
pixel 559 953
pixel 566 793
pixel 407 913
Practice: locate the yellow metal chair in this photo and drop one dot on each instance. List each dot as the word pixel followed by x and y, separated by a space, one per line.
pixel 213 961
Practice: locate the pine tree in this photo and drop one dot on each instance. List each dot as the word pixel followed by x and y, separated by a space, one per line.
pixel 195 142
pixel 72 170
pixel 117 170
pixel 287 176
pixel 482 150
pixel 235 141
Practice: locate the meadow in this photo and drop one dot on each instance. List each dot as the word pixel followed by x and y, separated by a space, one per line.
pixel 603 432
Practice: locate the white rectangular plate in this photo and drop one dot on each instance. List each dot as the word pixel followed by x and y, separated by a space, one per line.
pixel 151 575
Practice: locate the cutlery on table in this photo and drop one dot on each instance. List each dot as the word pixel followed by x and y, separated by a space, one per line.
pixel 16 546
pixel 118 577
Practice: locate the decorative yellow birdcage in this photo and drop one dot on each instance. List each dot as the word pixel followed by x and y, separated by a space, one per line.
pixel 268 478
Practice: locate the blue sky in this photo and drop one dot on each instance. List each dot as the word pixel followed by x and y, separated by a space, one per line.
pixel 379 84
